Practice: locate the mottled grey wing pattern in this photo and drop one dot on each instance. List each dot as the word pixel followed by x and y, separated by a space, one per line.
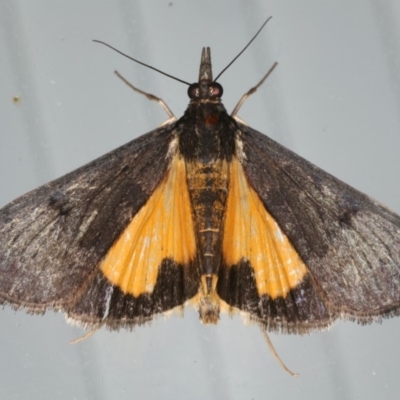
pixel 52 238
pixel 349 242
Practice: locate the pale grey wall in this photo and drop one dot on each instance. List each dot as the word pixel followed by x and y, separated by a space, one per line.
pixel 334 99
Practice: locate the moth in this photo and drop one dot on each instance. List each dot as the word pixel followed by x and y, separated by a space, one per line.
pixel 207 211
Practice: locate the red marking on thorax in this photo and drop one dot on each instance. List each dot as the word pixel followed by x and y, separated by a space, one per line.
pixel 211 120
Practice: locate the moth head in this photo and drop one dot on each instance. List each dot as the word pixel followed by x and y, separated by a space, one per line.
pixel 205 88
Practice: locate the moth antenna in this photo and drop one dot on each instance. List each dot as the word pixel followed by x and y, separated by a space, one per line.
pixel 150 96
pixel 86 335
pixel 247 45
pixel 276 356
pixel 142 63
pixel 251 91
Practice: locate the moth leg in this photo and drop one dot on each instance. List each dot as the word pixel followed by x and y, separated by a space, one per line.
pixel 276 356
pixel 150 96
pixel 86 335
pixel 251 91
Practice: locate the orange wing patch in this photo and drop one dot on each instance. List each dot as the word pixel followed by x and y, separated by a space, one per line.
pixel 252 234
pixel 163 228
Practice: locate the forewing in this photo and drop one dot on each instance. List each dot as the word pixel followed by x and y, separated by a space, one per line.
pixel 53 238
pixel 348 242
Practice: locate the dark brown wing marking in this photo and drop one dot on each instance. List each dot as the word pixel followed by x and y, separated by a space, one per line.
pixel 53 238
pixel 348 241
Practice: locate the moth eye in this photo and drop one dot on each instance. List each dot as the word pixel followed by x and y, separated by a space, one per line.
pixel 216 90
pixel 194 91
